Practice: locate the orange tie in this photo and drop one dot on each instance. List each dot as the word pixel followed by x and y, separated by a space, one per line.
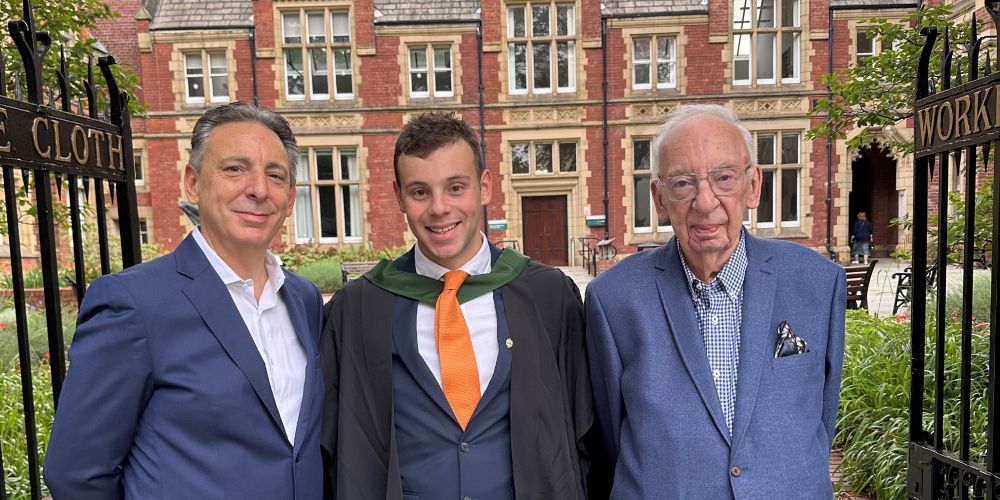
pixel 459 372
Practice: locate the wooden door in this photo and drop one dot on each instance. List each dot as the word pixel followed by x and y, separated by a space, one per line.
pixel 545 231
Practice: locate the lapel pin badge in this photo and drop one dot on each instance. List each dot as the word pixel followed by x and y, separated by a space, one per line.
pixel 510 343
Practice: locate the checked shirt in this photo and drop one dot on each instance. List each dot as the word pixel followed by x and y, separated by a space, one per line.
pixel 718 305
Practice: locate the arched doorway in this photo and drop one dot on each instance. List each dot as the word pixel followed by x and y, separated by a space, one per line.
pixel 873 191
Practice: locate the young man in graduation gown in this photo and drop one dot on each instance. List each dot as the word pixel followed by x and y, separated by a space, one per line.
pixel 457 371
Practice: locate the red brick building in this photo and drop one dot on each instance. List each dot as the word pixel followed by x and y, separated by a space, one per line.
pixel 566 93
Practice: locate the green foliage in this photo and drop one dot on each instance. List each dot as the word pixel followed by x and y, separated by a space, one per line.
pixel 37 334
pixel 325 274
pixel 298 256
pixel 15 455
pixel 873 422
pixel 65 23
pixel 982 225
pixel 879 91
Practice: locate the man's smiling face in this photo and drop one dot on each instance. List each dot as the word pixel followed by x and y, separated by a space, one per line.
pixel 442 196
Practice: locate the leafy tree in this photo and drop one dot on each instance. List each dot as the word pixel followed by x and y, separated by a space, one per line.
pixel 879 91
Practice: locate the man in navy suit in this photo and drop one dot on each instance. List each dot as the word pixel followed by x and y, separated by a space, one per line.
pixel 196 375
pixel 716 358
pixel 394 427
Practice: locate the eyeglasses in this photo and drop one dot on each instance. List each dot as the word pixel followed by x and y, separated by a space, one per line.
pixel 723 181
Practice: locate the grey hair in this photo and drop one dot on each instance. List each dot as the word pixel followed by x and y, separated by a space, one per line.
pixel 682 113
pixel 240 111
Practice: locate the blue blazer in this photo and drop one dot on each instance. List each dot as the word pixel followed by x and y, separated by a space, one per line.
pixel 167 396
pixel 658 412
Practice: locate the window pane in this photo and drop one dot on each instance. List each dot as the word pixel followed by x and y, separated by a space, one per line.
pixel 291 27
pixel 543 158
pixel 790 148
pixel 640 154
pixel 665 73
pixel 217 62
pixel 765 211
pixel 342 59
pixel 865 43
pixel 665 61
pixel 565 20
pixel 641 198
pixel 442 81
pixel 642 75
pixel 327 211
pixel 352 210
pixel 342 79
pixel 302 167
pixel 418 58
pixel 765 149
pixel 520 65
pixel 765 13
pixel 195 85
pixel 319 77
pixel 442 58
pixel 418 70
pixel 341 27
pixel 741 14
pixel 540 20
pixel 765 56
pixel 303 213
pixel 567 157
pixel 790 195
pixel 789 13
pixel 220 88
pixel 564 64
pixel 515 21
pixel 343 83
pixel 640 61
pixel 520 162
pixel 294 72
pixel 418 82
pixel 140 174
pixel 641 49
pixel 741 57
pixel 317 30
pixel 543 78
pixel 789 54
pixel 348 165
pixel 324 164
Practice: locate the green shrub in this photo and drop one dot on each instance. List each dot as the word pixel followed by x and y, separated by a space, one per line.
pixel 12 437
pixel 325 274
pixel 873 422
pixel 37 334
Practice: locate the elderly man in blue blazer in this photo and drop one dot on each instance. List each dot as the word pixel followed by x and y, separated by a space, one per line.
pixel 196 375
pixel 716 358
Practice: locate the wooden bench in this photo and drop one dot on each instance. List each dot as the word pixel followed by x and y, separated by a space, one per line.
pixel 858 278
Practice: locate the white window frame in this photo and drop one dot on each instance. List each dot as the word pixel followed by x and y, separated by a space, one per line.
pixel 653 62
pixel 430 70
pixel 556 148
pixel 876 47
pixel 140 168
pixel 777 169
pixel 654 226
pixel 312 185
pixel 207 75
pixel 332 42
pixel 748 30
pixel 529 41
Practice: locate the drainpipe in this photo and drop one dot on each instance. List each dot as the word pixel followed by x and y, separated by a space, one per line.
pixel 253 62
pixel 482 114
pixel 604 125
pixel 829 145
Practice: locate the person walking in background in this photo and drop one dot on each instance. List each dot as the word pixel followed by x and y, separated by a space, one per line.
pixel 716 359
pixel 196 375
pixel 861 239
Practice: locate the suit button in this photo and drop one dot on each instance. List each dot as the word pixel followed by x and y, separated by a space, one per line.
pixel 466 498
pixel 465 448
pixel 735 471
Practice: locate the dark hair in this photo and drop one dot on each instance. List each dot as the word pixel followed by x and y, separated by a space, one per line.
pixel 240 111
pixel 429 132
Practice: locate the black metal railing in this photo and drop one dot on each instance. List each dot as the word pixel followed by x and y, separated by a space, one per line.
pixel 40 146
pixel 954 124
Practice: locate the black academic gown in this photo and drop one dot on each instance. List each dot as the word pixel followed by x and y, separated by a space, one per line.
pixel 550 390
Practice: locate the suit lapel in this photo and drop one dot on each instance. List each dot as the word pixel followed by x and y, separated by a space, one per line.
pixel 757 334
pixel 300 321
pixel 405 338
pixel 671 283
pixel 212 300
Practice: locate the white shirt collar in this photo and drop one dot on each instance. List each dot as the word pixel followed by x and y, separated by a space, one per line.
pixel 271 262
pixel 481 263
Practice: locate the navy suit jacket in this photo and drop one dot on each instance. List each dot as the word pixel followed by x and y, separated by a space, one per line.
pixel 659 414
pixel 167 396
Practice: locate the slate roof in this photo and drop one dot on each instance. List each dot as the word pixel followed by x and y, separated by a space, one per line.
pixel 417 11
pixel 871 4
pixel 198 14
pixel 653 7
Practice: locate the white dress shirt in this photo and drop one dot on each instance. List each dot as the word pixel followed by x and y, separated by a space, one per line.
pixel 271 330
pixel 480 316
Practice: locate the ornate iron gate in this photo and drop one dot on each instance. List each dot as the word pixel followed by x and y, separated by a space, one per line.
pixel 955 124
pixel 45 146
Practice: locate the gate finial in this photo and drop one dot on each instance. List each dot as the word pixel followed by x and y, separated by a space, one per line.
pixel 32 45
